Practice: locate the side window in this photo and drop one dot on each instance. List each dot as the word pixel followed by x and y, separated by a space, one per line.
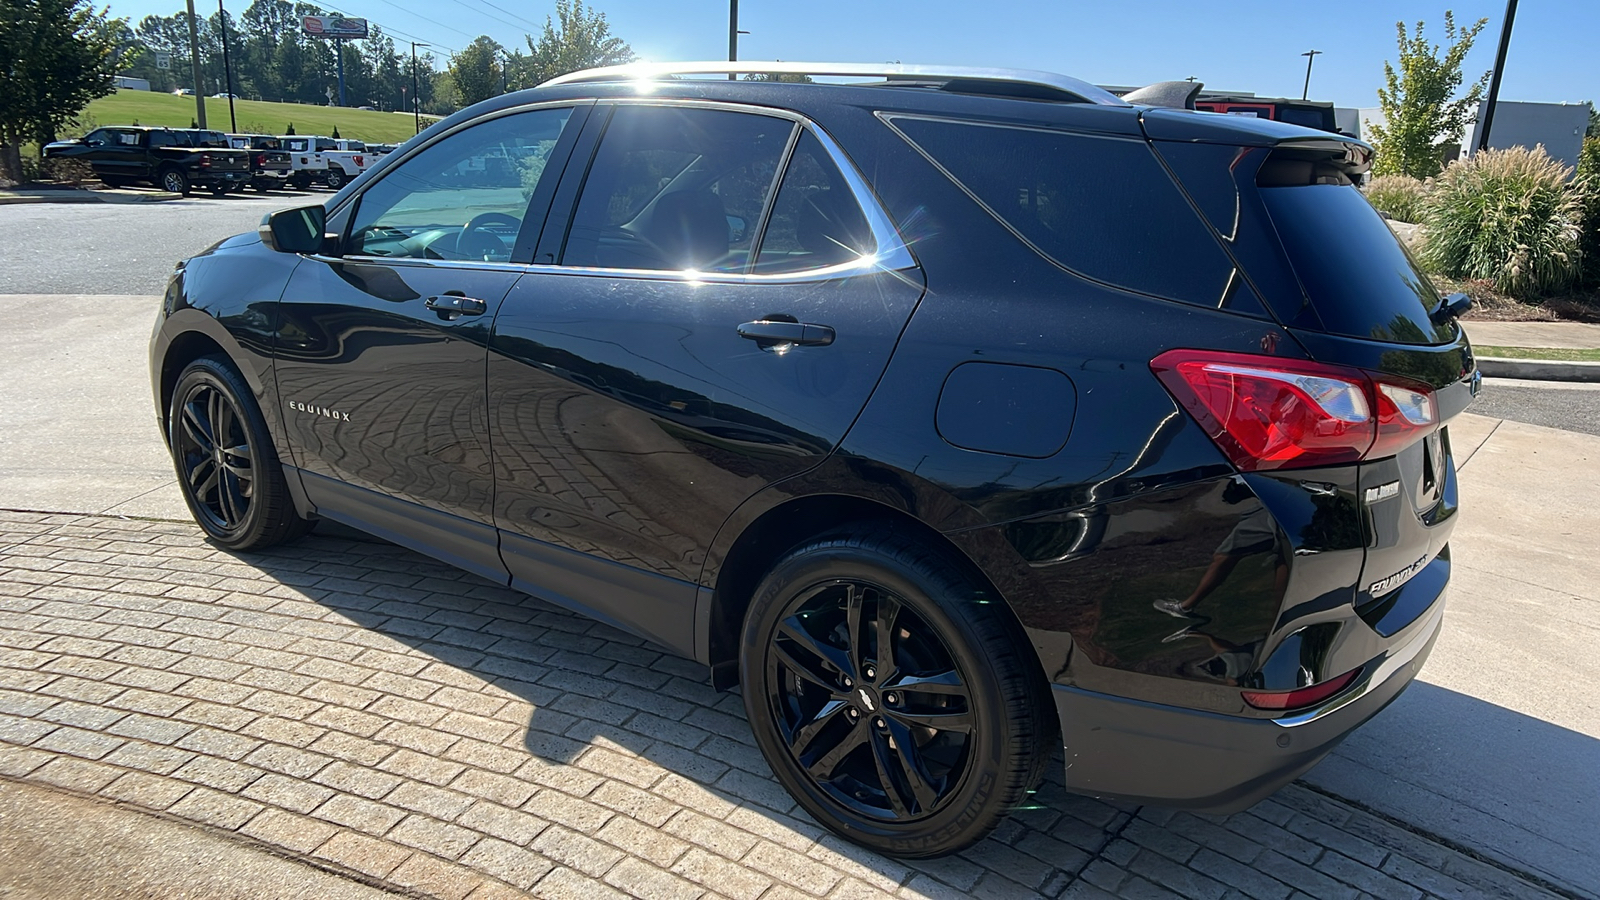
pixel 816 221
pixel 126 138
pixel 674 188
pixel 462 198
pixel 161 139
pixel 1100 207
pixel 97 137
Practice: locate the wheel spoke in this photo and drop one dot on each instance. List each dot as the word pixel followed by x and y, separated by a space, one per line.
pixel 909 757
pixel 195 428
pixel 227 498
pixel 825 765
pixel 827 657
pixel 202 476
pixel 888 612
pixel 883 756
pixel 852 618
pixel 806 735
pixel 942 721
pixel 947 683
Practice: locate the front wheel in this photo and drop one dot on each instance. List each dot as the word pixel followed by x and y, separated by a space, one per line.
pixel 897 704
pixel 227 467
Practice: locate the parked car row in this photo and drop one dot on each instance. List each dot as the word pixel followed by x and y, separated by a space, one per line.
pixel 182 159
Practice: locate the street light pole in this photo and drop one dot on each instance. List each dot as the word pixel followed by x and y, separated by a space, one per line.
pixel 227 68
pixel 733 35
pixel 416 88
pixel 1311 57
pixel 194 58
pixel 1499 69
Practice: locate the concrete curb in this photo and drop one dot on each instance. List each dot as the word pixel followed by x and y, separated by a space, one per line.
pixel 70 196
pixel 1538 369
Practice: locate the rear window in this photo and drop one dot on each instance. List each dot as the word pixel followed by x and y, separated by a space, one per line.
pixel 1098 206
pixel 1359 277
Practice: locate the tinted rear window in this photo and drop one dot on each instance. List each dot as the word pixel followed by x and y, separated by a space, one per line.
pixel 1102 207
pixel 1357 275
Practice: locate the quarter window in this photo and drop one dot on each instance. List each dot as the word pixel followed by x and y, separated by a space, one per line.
pixel 815 221
pixel 675 188
pixel 464 197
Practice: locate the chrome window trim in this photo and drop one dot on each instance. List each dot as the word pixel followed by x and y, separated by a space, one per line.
pixel 1066 84
pixel 851 269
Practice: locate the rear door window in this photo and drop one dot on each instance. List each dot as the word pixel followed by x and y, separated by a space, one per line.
pixel 1098 206
pixel 815 221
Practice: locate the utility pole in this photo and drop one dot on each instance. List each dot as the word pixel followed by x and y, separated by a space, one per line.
pixel 227 68
pixel 1494 80
pixel 194 58
pixel 733 35
pixel 416 89
pixel 1311 57
pixel 338 49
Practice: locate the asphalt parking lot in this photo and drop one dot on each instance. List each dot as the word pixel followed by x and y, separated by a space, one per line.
pixel 345 706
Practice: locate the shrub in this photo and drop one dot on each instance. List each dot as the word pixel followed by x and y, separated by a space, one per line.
pixel 1508 217
pixel 1588 185
pixel 1397 196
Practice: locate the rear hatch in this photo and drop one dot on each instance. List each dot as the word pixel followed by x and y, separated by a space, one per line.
pixel 1347 290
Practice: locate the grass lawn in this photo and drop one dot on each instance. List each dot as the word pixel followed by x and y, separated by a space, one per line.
pixel 1537 353
pixel 255 116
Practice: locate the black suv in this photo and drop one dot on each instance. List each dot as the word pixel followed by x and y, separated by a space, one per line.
pixel 959 416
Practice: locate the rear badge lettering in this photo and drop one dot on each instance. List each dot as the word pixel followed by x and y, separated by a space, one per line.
pixel 315 410
pixel 1385 585
pixel 1383 492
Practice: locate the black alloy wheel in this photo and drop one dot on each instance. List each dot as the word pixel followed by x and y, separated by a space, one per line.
pixel 889 698
pixel 175 181
pixel 870 701
pixel 226 465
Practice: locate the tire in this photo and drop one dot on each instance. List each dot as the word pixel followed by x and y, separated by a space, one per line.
pixel 237 491
pixel 174 181
pixel 336 180
pixel 971 702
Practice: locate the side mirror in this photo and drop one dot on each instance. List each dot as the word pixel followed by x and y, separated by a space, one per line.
pixel 1452 307
pixel 736 229
pixel 297 230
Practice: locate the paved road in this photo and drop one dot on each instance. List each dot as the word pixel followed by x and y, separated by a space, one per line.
pixel 1570 407
pixel 104 248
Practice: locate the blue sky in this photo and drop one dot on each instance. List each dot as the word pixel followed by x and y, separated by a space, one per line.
pixel 1247 45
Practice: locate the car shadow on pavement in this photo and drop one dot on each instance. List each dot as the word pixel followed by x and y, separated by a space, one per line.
pixel 616 715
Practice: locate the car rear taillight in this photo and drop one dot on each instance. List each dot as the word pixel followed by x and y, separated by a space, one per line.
pixel 205 160
pixel 1300 697
pixel 359 162
pixel 1269 413
pixel 261 160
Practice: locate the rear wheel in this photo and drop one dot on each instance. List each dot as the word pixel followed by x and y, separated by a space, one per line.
pixel 175 181
pixel 227 467
pixel 897 705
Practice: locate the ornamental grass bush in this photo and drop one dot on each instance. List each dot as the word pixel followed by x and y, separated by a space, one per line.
pixel 1589 185
pixel 1509 217
pixel 1397 196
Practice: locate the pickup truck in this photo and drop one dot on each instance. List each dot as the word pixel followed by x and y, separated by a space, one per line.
pixel 176 159
pixel 270 167
pixel 326 160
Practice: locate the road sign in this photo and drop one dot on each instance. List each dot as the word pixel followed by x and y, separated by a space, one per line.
pixel 334 27
pixel 163 59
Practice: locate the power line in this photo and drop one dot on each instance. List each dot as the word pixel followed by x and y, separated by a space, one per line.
pixel 536 26
pixel 426 19
pixel 487 15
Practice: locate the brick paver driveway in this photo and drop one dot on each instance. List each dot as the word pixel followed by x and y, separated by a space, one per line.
pixel 359 706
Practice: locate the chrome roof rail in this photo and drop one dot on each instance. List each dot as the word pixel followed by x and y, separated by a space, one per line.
pixel 1070 89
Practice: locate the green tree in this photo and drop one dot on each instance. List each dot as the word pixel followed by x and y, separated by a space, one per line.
pixel 1420 116
pixel 55 56
pixel 577 38
pixel 477 70
pixel 777 76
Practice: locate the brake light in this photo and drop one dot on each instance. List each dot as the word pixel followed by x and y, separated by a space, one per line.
pixel 1269 413
pixel 205 160
pixel 1300 697
pixel 261 160
pixel 359 163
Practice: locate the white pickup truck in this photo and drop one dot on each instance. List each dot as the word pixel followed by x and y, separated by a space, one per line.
pixel 325 160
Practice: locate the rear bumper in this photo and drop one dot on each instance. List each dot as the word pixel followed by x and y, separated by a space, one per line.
pixel 1170 756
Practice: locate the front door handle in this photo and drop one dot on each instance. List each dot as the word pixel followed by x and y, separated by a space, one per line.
pixel 454 303
pixel 768 332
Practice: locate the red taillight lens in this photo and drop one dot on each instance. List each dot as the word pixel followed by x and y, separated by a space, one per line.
pixel 261 160
pixel 205 160
pixel 1269 413
pixel 359 163
pixel 1300 697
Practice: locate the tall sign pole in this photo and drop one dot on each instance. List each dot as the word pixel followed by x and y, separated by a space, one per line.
pixel 338 50
pixel 194 58
pixel 227 68
pixel 1310 55
pixel 733 35
pixel 416 88
pixel 1494 80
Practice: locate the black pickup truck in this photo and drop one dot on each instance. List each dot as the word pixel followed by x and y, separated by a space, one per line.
pixel 176 159
pixel 269 159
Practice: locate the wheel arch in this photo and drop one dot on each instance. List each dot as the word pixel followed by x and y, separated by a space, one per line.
pixel 191 335
pixel 786 525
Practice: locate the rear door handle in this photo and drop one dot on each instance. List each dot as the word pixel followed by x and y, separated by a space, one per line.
pixel 768 332
pixel 453 303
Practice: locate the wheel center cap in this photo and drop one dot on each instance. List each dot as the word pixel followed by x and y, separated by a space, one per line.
pixel 866 700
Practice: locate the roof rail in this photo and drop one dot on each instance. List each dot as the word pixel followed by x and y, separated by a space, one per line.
pixel 1066 88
